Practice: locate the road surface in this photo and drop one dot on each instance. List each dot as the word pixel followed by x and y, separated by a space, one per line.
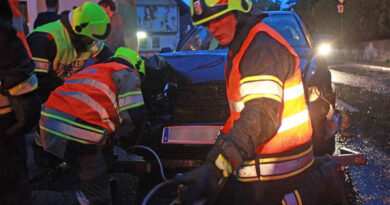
pixel 363 95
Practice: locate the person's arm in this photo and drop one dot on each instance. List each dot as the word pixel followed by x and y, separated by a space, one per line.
pixel 18 85
pixel 43 50
pixel 130 101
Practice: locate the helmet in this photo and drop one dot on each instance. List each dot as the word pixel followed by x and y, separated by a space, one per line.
pixel 90 20
pixel 203 11
pixel 132 57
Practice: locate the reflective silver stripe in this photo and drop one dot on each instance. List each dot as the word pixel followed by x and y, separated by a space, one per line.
pixel 131 99
pixel 91 103
pixel 98 85
pixel 237 106
pixel 26 86
pixel 277 168
pixel 68 129
pixel 293 92
pixel 294 120
pixel 290 199
pixel 41 66
pixel 83 200
pixel 17 23
pixel 261 87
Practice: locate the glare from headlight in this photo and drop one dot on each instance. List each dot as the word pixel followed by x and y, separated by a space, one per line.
pixel 324 49
pixel 141 34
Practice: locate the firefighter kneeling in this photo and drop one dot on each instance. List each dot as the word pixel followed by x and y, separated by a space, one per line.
pixel 79 118
pixel 266 141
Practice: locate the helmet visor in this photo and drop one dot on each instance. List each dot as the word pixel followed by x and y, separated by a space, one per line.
pixel 105 34
pixel 204 13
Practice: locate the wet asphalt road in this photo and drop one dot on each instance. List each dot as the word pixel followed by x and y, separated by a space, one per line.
pixel 364 98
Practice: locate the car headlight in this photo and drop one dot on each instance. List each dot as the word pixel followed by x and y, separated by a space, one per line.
pixel 324 49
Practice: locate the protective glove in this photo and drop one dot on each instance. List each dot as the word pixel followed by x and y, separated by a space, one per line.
pixel 27 109
pixel 203 182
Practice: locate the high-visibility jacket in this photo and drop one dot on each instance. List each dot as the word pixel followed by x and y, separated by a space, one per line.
pixel 17 23
pixel 67 60
pixel 295 128
pixel 88 106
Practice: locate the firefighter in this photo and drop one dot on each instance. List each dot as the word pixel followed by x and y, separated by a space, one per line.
pixel 78 119
pixel 19 111
pixel 266 141
pixel 61 48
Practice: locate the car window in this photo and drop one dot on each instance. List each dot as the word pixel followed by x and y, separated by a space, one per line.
pixel 200 39
pixel 288 27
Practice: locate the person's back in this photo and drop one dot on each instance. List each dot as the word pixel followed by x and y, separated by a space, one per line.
pixel 47 16
pixel 116 38
pixel 78 121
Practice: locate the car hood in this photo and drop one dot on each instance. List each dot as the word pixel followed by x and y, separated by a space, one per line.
pixel 204 66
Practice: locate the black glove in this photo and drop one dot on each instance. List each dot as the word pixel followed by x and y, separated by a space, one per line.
pixel 27 109
pixel 203 182
pixel 200 183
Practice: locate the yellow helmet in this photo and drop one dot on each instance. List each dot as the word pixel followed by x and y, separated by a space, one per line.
pixel 132 57
pixel 203 11
pixel 90 20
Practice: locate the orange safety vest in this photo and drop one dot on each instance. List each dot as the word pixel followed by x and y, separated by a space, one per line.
pixel 295 128
pixel 90 95
pixel 17 23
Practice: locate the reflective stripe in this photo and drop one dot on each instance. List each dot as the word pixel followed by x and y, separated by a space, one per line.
pixel 294 120
pixel 68 129
pixel 5 110
pixel 293 92
pixel 278 168
pixel 130 93
pixel 280 159
pixel 98 85
pixel 91 103
pixel 292 198
pixel 41 65
pixel 132 100
pixel 261 87
pixel 26 86
pixel 17 23
pixel 222 164
pixel 261 77
pixel 62 135
pixel 237 106
pixel 71 122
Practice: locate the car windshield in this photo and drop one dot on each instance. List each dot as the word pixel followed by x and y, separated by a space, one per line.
pixel 286 25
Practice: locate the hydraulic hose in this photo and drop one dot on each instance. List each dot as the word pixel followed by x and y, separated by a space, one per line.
pixel 151 192
pixel 157 158
pixel 158 186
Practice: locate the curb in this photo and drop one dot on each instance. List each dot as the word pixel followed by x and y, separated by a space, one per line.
pixel 373 67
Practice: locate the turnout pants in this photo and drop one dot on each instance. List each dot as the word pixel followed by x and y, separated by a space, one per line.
pixel 91 166
pixel 321 184
pixel 14 186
